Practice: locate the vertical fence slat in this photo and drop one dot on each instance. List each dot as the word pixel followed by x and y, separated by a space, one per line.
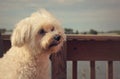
pixel 92 69
pixel 74 72
pixel 1 46
pixel 110 69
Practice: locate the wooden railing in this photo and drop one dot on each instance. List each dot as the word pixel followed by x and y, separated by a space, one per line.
pixel 93 48
pixel 81 48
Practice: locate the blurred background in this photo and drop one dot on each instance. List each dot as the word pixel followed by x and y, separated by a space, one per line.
pixel 76 16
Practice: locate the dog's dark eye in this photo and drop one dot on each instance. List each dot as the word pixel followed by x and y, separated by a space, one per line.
pixel 42 31
pixel 53 29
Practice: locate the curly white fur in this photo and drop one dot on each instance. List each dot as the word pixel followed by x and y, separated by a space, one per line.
pixel 28 58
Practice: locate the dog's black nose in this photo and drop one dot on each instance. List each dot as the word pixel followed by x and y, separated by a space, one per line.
pixel 57 37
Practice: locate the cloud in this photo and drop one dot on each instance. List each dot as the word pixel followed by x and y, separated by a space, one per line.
pixel 69 1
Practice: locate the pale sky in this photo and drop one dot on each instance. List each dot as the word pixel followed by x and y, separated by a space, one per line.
pixel 82 15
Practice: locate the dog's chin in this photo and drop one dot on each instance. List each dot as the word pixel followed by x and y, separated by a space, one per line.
pixel 53 44
pixel 53 47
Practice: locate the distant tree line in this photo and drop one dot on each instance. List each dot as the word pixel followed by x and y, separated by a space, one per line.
pixel 3 30
pixel 115 31
pixel 91 31
pixel 71 31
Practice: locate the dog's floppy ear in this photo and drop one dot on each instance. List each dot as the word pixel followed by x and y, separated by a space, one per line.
pixel 21 33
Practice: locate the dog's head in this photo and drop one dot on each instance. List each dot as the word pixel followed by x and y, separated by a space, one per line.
pixel 41 31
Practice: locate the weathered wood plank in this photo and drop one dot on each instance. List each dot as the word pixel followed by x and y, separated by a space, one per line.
pixel 1 46
pixel 74 72
pixel 93 37
pixel 93 50
pixel 92 70
pixel 110 69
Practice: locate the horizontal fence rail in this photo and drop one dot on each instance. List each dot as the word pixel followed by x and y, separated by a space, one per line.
pixel 80 48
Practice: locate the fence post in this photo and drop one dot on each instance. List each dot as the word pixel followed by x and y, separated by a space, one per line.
pixel 59 64
pixel 92 69
pixel 1 46
pixel 110 69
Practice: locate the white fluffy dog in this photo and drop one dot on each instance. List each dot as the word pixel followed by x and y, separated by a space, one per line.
pixel 33 40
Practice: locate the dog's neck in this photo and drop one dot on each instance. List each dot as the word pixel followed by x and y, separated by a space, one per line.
pixel 37 52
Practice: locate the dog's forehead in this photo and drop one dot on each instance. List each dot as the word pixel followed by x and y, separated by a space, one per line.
pixel 47 26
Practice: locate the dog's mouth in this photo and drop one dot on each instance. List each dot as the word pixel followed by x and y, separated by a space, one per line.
pixel 54 43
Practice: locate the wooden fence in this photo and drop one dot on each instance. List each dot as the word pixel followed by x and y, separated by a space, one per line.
pixel 81 48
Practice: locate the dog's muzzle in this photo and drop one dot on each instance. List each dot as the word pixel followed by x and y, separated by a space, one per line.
pixel 57 37
pixel 56 40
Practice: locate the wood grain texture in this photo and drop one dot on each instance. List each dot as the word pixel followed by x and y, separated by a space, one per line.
pixel 1 46
pixel 92 70
pixel 93 50
pixel 110 69
pixel 74 70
